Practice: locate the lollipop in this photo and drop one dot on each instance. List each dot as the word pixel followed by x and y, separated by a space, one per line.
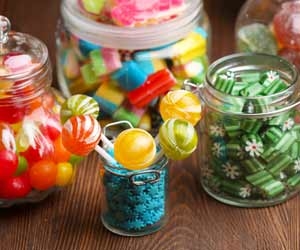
pixel 135 149
pixel 81 134
pixel 178 138
pixel 180 104
pixel 79 105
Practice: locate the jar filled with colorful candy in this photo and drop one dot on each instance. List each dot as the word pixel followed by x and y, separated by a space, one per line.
pixel 33 159
pixel 251 128
pixel 271 27
pixel 127 54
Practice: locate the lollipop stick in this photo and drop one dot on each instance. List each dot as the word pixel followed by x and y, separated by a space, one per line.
pixel 106 141
pixel 105 155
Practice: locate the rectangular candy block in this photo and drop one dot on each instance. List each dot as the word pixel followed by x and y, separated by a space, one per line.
pixel 150 65
pixel 156 85
pixel 111 92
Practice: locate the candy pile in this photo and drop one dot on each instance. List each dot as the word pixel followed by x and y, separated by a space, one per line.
pixel 132 13
pixel 135 204
pixel 281 36
pixel 129 84
pixel 252 158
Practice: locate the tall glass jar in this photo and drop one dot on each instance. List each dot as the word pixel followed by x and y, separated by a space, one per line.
pixel 270 26
pixel 33 161
pixel 127 68
pixel 250 152
pixel 135 203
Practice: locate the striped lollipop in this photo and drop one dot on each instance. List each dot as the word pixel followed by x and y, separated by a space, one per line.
pixel 79 105
pixel 81 134
pixel 178 138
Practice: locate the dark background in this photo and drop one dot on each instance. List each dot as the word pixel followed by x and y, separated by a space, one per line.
pixel 70 219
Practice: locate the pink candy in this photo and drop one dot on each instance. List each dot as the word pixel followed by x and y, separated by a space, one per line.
pixel 18 63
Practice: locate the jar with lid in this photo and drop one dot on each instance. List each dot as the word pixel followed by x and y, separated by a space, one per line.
pixel 250 151
pixel 271 27
pixel 126 55
pixel 33 161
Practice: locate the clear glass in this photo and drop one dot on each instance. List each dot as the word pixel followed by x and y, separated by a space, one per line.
pixel 128 69
pixel 135 203
pixel 270 26
pixel 228 172
pixel 33 161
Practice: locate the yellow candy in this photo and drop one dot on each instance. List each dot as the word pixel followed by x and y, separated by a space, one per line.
pixel 64 174
pixel 135 149
pixel 181 104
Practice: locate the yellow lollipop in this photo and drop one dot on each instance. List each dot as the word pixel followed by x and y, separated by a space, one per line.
pixel 135 149
pixel 181 104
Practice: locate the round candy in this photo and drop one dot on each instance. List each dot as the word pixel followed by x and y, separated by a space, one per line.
pixel 178 138
pixel 135 149
pixel 256 37
pixel 92 6
pixel 181 104
pixel 81 134
pixel 15 187
pixel 79 105
pixel 64 174
pixel 43 175
pixel 8 164
pixel 286 25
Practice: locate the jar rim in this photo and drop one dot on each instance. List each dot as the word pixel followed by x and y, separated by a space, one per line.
pixel 290 93
pixel 130 38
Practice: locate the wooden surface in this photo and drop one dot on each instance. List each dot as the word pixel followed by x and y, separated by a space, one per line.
pixel 70 219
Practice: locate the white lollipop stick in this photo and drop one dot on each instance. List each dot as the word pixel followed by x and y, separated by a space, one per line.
pixel 105 155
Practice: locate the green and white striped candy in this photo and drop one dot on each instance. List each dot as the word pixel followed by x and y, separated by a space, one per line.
pixel 79 105
pixel 178 138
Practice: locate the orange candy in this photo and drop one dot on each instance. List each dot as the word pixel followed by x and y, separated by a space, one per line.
pixel 43 174
pixel 60 154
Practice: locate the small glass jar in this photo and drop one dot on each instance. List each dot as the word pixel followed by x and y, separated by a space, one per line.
pixel 135 203
pixel 250 147
pixel 33 161
pixel 270 26
pixel 127 69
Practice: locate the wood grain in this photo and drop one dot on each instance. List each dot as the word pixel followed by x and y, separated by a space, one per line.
pixel 70 219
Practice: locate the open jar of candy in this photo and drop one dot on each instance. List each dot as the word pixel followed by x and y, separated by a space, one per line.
pixel 251 125
pixel 127 54
pixel 33 161
pixel 270 26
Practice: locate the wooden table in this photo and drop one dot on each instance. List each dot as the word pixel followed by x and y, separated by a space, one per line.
pixel 70 219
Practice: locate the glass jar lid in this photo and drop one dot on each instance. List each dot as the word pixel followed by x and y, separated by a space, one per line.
pixel 130 38
pixel 21 55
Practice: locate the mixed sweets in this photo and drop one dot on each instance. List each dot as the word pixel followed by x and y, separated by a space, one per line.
pixel 279 37
pixel 253 158
pixel 128 84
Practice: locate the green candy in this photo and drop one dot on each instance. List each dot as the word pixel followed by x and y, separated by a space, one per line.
pixel 256 37
pixel 178 138
pixel 22 166
pixel 79 105
pixel 93 6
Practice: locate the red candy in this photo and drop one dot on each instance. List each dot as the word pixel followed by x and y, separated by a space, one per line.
pixel 7 140
pixel 287 25
pixel 8 164
pixel 15 187
pixel 81 134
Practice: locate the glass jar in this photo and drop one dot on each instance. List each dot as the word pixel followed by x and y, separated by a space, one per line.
pixel 270 26
pixel 33 161
pixel 250 146
pixel 127 69
pixel 135 203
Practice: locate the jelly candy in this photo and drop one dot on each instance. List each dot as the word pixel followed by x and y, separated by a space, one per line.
pixel 178 138
pixel 256 37
pixel 64 174
pixel 286 24
pixel 15 187
pixel 135 149
pixel 8 164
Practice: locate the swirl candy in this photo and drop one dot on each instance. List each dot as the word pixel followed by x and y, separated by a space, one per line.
pixel 178 138
pixel 81 134
pixel 181 104
pixel 79 105
pixel 135 149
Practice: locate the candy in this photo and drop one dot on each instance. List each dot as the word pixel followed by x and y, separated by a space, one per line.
pixel 42 174
pixel 156 85
pixel 71 65
pixel 79 105
pixel 7 140
pixel 64 174
pixel 17 64
pixel 286 25
pixel 81 134
pixel 22 166
pixel 92 6
pixel 178 138
pixel 8 164
pixel 135 149
pixel 181 104
pixel 256 37
pixel 15 187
